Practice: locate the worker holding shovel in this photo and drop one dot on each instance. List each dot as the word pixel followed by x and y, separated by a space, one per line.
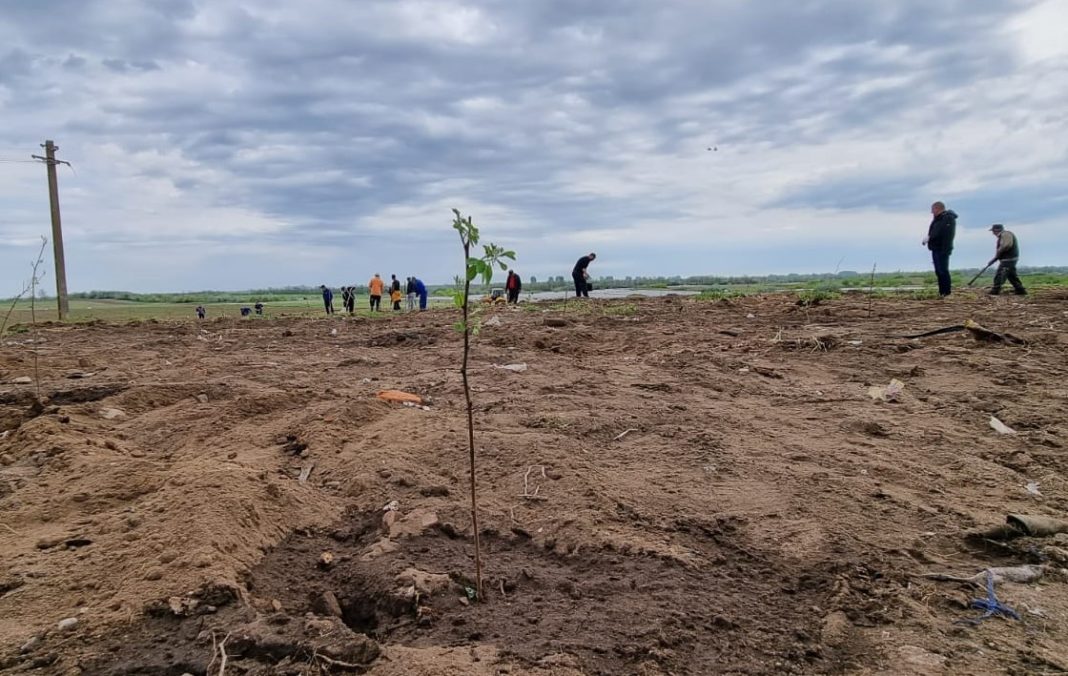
pixel 1006 256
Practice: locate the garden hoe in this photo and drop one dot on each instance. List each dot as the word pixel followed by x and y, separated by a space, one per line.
pixel 980 273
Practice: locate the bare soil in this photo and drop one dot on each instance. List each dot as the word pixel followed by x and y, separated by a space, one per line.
pixel 671 487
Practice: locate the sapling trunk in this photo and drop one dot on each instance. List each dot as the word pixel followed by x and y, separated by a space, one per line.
pixel 471 428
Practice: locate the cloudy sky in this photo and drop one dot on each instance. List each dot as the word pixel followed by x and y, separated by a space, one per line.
pixel 232 144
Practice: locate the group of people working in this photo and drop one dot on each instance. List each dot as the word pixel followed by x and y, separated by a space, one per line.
pixel 414 289
pixel 939 241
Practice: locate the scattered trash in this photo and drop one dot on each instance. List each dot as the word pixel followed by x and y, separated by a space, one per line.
pixel 409 404
pixel 1000 427
pixel 1032 488
pixel 744 369
pixel 112 413
pixel 990 604
pixel 492 321
pixel 855 343
pixel 333 332
pixel 399 397
pixel 471 593
pixel 392 506
pixel 624 433
pixel 1017 574
pixel 1021 525
pixel 1037 526
pixel 889 393
pixel 305 472
pixel 517 368
pixel 22 380
pixel 750 316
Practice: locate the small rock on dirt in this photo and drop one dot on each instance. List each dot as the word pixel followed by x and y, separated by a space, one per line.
pixel 67 624
pixel 154 574
pixel 326 560
pixel 424 582
pixel 555 322
pixel 836 629
pixel 112 413
pixel 28 646
pixel 50 542
pixel 326 604
pixel 414 524
pixel 337 642
pixel 202 398
pixel 22 380
pixel 380 548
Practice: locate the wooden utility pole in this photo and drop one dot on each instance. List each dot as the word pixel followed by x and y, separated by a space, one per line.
pixel 57 229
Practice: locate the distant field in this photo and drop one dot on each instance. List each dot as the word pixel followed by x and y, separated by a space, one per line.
pixel 288 303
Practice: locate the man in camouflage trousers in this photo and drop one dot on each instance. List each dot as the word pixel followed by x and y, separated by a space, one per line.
pixel 1006 255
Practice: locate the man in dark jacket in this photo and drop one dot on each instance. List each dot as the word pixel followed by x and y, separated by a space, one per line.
pixel 513 286
pixel 410 290
pixel 939 240
pixel 328 298
pixel 1006 255
pixel 579 274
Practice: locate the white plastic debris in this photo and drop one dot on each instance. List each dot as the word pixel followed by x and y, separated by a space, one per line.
pixel 517 368
pixel 392 506
pixel 492 321
pixel 1032 488
pixel 750 316
pixel 889 393
pixel 333 332
pixel 1000 427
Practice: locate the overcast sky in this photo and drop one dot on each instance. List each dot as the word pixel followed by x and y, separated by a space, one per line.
pixel 233 144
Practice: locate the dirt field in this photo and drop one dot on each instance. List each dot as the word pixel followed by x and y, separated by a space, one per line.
pixel 761 514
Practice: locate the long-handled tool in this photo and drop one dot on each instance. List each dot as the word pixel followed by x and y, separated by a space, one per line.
pixel 980 273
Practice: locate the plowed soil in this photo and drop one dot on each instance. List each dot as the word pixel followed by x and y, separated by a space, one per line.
pixel 671 486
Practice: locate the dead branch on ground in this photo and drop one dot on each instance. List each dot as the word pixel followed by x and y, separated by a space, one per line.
pixel 526 494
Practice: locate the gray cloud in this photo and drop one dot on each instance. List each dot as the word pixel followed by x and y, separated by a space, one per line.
pixel 310 123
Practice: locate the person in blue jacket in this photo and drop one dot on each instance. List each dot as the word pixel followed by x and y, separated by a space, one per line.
pixel 328 298
pixel 420 290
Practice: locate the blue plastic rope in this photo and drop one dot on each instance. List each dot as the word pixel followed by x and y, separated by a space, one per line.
pixel 990 604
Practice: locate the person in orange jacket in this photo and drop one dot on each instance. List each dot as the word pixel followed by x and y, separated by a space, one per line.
pixel 375 286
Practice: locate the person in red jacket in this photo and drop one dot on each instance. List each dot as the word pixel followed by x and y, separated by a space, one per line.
pixel 513 286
